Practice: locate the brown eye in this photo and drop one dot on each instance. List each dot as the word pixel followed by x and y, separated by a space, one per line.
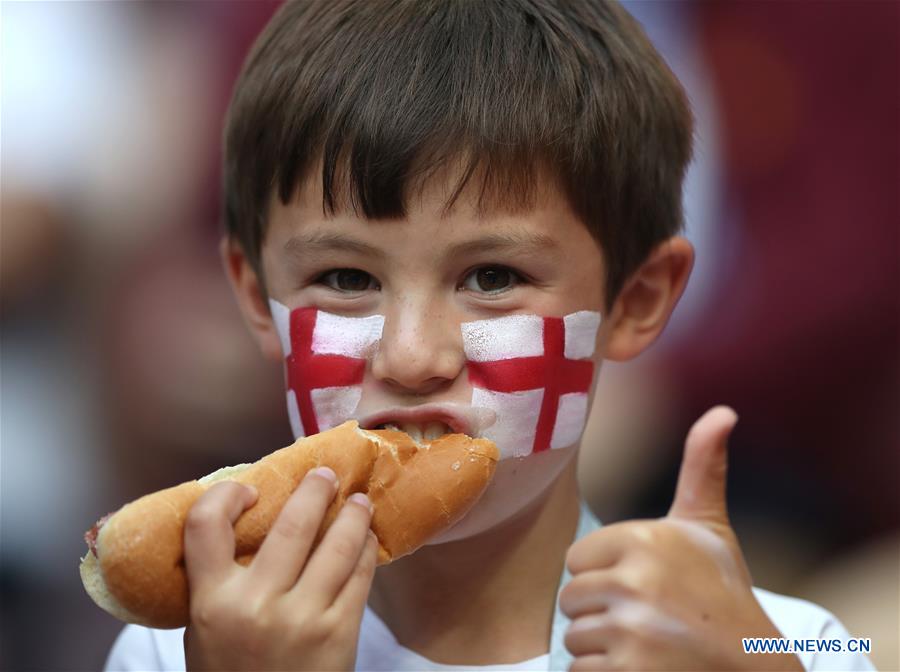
pixel 491 280
pixel 348 280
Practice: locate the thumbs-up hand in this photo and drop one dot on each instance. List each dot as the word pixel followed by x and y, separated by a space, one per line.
pixel 673 593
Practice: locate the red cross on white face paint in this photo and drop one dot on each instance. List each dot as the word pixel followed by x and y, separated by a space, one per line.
pixel 535 373
pixel 325 362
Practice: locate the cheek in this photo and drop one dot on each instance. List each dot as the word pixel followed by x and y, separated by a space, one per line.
pixel 536 374
pixel 325 364
pixel 517 483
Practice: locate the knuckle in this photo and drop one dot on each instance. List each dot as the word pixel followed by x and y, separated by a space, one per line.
pixel 332 624
pixel 201 516
pixel 365 568
pixel 315 632
pixel 627 584
pixel 292 526
pixel 641 579
pixel 367 559
pixel 225 613
pixel 345 549
pixel 250 619
pixel 646 535
pixel 201 614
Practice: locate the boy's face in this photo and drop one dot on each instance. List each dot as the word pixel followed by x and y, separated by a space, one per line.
pixel 427 275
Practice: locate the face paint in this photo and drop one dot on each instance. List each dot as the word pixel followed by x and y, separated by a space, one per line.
pixel 535 373
pixel 325 361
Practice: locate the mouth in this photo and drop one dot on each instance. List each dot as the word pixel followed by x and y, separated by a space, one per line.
pixel 418 433
pixel 423 423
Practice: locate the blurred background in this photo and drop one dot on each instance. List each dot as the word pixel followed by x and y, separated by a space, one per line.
pixel 125 367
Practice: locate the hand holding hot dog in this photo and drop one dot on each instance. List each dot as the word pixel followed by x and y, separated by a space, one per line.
pixel 673 593
pixel 289 609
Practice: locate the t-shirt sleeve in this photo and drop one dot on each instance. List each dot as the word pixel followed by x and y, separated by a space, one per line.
pixel 147 650
pixel 800 619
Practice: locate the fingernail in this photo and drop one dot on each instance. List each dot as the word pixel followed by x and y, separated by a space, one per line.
pixel 362 499
pixel 327 473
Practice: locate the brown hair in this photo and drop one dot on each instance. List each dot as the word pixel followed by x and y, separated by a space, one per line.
pixel 382 93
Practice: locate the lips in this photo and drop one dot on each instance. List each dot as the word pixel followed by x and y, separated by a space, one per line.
pixel 421 423
pixel 430 421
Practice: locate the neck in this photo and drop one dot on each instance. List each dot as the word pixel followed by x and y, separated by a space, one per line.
pixel 488 599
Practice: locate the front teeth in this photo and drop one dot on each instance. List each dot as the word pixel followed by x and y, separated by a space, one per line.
pixel 431 431
pixel 414 431
pixel 435 430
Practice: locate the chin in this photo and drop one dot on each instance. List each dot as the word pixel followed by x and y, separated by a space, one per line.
pixel 517 483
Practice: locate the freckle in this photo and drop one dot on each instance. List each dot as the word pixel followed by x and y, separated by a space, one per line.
pixel 704 616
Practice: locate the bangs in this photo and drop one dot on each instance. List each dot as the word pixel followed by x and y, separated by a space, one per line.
pixel 471 92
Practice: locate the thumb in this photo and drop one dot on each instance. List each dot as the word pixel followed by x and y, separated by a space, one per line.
pixel 700 493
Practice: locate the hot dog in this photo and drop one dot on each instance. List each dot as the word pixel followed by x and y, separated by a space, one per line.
pixel 134 567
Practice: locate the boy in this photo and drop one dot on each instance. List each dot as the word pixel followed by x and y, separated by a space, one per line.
pixel 492 182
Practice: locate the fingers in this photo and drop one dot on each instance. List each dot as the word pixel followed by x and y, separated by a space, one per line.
pixel 338 556
pixel 589 634
pixel 209 532
pixel 700 493
pixel 351 602
pixel 590 593
pixel 601 550
pixel 286 548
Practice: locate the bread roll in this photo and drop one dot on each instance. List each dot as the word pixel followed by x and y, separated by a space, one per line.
pixel 134 568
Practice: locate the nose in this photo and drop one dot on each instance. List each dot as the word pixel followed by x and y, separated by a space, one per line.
pixel 420 352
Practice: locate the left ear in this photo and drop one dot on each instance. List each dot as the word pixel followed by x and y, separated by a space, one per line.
pixel 647 300
pixel 251 299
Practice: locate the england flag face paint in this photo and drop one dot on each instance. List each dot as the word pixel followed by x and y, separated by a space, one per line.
pixel 536 374
pixel 325 362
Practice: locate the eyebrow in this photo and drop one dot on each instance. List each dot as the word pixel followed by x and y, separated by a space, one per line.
pixel 315 243
pixel 521 243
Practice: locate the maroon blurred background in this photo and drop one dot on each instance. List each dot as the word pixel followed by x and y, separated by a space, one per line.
pixel 126 367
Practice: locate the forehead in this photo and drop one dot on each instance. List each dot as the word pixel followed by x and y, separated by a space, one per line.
pixel 435 215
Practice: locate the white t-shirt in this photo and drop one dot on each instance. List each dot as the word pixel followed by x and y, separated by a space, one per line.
pixel 138 648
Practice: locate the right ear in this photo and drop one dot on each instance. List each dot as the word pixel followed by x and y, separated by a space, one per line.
pixel 251 298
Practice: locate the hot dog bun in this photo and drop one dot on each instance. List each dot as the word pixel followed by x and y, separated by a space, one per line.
pixel 418 490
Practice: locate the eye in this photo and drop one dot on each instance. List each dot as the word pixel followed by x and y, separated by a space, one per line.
pixel 491 280
pixel 348 280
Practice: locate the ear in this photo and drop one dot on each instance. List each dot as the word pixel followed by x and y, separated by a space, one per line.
pixel 648 298
pixel 251 297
